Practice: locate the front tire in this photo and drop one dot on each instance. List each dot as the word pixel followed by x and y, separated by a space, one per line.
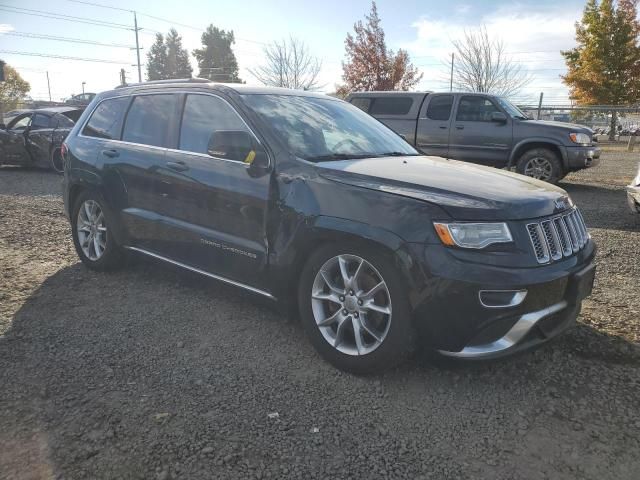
pixel 91 229
pixel 355 308
pixel 541 164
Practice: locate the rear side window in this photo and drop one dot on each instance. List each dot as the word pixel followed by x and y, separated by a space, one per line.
pixel 39 121
pixel 440 107
pixel 203 115
pixel 106 120
pixel 391 106
pixel 475 109
pixel 149 119
pixel 362 103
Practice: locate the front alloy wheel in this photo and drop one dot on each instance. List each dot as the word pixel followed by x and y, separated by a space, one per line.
pixel 351 305
pixel 539 168
pixel 354 305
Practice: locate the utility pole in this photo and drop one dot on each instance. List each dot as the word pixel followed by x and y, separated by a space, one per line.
pixel 135 25
pixel 48 85
pixel 451 79
pixel 540 104
pixel 123 77
pixel 83 83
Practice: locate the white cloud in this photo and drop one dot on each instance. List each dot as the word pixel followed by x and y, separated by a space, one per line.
pixel 534 38
pixel 5 27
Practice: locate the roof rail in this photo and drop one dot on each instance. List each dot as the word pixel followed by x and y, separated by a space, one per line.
pixel 173 80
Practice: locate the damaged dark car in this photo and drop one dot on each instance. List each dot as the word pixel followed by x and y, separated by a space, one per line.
pixel 34 138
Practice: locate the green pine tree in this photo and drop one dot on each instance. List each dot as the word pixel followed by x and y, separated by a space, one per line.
pixel 157 59
pixel 216 59
pixel 178 65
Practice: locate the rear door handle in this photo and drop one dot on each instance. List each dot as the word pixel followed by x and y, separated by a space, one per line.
pixel 460 127
pixel 111 153
pixel 443 127
pixel 178 166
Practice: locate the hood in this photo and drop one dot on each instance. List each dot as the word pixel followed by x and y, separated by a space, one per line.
pixel 573 127
pixel 464 190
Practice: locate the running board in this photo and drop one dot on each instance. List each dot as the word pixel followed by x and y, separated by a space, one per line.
pixel 202 272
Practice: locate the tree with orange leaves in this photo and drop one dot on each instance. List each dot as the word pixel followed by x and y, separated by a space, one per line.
pixel 370 65
pixel 604 68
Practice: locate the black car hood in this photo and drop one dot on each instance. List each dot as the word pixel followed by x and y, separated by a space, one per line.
pixel 465 191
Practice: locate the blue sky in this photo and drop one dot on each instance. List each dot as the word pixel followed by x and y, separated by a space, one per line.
pixel 534 31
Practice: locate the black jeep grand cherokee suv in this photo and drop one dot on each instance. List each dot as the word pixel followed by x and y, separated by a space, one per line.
pixel 306 199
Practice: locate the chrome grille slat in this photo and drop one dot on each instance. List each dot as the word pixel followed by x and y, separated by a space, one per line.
pixel 558 236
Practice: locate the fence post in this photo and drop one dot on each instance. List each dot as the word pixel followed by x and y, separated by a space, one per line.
pixel 631 144
pixel 540 105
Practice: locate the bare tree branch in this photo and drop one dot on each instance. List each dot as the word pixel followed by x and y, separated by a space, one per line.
pixel 289 64
pixel 482 65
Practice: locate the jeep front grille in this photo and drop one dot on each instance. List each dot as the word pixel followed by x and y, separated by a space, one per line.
pixel 559 236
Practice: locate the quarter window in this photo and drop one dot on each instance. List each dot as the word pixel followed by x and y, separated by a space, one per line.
pixel 149 119
pixel 440 107
pixel 391 106
pixel 362 103
pixel 203 115
pixel 475 109
pixel 106 120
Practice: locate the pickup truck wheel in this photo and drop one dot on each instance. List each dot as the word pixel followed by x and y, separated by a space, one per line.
pixel 91 224
pixel 355 308
pixel 540 163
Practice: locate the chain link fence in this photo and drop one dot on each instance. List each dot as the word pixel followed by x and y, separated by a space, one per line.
pixel 624 120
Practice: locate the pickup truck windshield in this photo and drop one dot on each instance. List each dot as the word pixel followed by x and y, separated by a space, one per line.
pixel 511 109
pixel 319 129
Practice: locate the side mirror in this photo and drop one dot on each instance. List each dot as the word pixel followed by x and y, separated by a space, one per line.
pixel 238 145
pixel 498 117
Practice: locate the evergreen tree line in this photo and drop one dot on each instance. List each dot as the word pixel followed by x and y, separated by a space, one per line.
pixel 168 59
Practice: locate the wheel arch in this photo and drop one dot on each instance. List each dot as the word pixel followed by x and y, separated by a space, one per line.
pixel 331 230
pixel 533 143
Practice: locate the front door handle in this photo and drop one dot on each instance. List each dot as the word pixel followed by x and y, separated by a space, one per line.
pixel 178 166
pixel 442 127
pixel 460 127
pixel 111 153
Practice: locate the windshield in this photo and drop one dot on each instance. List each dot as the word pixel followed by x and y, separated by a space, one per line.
pixel 511 109
pixel 320 129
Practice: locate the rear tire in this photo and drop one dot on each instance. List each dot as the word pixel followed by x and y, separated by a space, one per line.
pixel 91 228
pixel 56 160
pixel 542 164
pixel 385 339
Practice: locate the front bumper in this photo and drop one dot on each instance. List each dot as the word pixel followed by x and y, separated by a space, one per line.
pixel 633 198
pixel 582 157
pixel 453 319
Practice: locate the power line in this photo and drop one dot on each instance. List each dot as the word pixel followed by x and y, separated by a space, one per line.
pixel 58 16
pixel 161 19
pixel 66 39
pixel 62 57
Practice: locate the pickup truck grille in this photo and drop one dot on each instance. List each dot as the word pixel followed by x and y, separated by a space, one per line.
pixel 559 236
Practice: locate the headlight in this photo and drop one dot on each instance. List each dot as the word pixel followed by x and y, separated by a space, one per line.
pixel 581 138
pixel 473 235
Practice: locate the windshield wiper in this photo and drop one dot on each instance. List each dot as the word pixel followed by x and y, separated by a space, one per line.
pixel 341 156
pixel 397 154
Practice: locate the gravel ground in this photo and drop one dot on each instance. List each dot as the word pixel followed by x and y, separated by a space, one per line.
pixel 156 373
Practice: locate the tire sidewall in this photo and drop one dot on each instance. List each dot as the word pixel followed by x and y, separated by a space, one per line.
pixel 112 256
pixel 398 343
pixel 557 172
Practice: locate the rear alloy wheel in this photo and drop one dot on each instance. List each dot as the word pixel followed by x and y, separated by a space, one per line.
pixel 541 164
pixel 356 313
pixel 94 242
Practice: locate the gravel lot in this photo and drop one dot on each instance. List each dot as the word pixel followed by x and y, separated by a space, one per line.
pixel 156 373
